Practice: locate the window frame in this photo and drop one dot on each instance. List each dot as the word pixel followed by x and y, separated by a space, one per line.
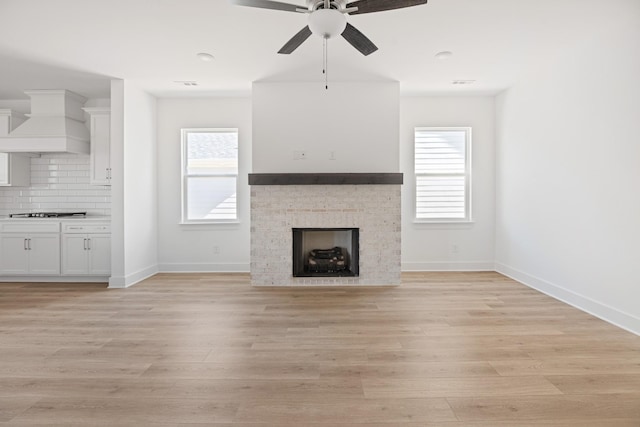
pixel 468 218
pixel 185 177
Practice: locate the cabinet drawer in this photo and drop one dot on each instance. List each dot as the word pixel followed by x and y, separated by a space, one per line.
pixel 31 227
pixel 86 228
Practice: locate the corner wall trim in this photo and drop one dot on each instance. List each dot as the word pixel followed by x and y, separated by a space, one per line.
pixel 119 282
pixel 609 314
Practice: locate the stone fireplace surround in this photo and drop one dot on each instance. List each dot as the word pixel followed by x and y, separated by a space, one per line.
pixel 368 201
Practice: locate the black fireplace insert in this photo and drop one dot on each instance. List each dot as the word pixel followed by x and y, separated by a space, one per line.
pixel 326 252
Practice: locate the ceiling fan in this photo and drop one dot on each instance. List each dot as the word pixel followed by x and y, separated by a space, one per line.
pixel 327 18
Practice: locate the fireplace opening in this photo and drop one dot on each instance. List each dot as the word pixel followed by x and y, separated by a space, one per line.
pixel 325 252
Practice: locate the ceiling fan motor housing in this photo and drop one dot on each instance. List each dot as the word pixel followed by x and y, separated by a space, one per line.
pixel 327 23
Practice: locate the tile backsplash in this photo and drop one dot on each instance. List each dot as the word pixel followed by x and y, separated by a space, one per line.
pixel 59 183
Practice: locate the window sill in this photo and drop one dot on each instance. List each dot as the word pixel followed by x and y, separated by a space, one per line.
pixel 453 225
pixel 210 224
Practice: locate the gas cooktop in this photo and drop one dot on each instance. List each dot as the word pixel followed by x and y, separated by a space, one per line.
pixel 47 214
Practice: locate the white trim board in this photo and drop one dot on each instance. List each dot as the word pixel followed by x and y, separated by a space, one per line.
pixel 131 279
pixel 240 267
pixel 449 266
pixel 609 314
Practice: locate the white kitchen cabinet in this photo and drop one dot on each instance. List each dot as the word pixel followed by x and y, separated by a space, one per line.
pixel 86 249
pixel 32 254
pixel 100 155
pixel 15 169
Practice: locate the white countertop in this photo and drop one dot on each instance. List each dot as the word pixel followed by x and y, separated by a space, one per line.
pixel 58 219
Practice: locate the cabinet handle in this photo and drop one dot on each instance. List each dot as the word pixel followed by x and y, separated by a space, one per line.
pixel 26 247
pixel 29 244
pixel 88 244
pixel 85 244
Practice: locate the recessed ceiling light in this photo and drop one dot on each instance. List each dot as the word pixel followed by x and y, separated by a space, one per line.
pixel 204 56
pixel 445 54
pixel 463 82
pixel 186 82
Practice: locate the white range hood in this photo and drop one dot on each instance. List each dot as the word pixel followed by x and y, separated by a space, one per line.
pixel 55 125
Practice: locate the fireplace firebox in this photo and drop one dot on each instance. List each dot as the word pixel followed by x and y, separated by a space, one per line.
pixel 325 252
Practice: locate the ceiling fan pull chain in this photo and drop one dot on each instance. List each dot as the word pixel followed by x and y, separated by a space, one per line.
pixel 324 56
pixel 325 60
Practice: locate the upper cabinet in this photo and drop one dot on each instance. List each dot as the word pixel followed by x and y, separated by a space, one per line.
pixel 15 169
pixel 100 157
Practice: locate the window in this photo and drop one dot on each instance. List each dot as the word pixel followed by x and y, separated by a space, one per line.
pixel 209 175
pixel 443 174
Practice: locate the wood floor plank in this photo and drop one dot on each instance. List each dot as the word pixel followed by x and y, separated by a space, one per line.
pixel 442 350
pixel 408 370
pixel 579 407
pixel 447 387
pixel 565 366
pixel 133 411
pixel 364 410
pixel 597 384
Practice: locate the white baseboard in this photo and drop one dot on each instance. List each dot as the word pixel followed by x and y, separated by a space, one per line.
pixel 240 267
pixel 120 282
pixel 609 314
pixel 449 266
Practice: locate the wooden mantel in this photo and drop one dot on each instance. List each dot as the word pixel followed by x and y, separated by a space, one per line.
pixel 325 179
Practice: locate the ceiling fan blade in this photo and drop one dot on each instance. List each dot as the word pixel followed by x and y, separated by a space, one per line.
pixel 296 41
pixel 358 40
pixel 267 4
pixel 368 6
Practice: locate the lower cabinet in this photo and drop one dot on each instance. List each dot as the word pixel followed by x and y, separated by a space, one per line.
pixel 36 248
pixel 33 254
pixel 86 250
pixel 86 254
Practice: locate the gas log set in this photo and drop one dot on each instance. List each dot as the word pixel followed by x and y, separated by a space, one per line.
pixel 326 260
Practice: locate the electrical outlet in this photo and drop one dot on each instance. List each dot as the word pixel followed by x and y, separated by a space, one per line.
pixel 454 249
pixel 332 155
pixel 299 155
pixel 216 250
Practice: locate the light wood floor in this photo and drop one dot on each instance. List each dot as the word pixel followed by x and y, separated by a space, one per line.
pixel 443 349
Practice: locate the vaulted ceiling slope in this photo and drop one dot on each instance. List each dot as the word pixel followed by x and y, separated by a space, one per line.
pixel 80 45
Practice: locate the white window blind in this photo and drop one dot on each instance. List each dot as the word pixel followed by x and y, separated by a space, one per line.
pixel 210 175
pixel 442 174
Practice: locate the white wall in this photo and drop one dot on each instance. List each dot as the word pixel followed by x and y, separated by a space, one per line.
pixel 134 185
pixel 192 247
pixel 358 122
pixel 428 247
pixel 568 169
pixel 117 279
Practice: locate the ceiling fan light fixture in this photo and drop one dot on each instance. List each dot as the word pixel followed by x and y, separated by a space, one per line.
pixel 205 57
pixel 327 23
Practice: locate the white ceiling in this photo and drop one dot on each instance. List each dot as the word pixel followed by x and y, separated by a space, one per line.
pixel 81 44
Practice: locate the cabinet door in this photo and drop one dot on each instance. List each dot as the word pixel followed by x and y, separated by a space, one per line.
pixel 44 254
pixel 100 149
pixel 14 256
pixel 15 170
pixel 4 169
pixel 99 254
pixel 74 254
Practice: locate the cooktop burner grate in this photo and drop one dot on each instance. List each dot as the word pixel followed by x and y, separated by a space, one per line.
pixel 47 214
